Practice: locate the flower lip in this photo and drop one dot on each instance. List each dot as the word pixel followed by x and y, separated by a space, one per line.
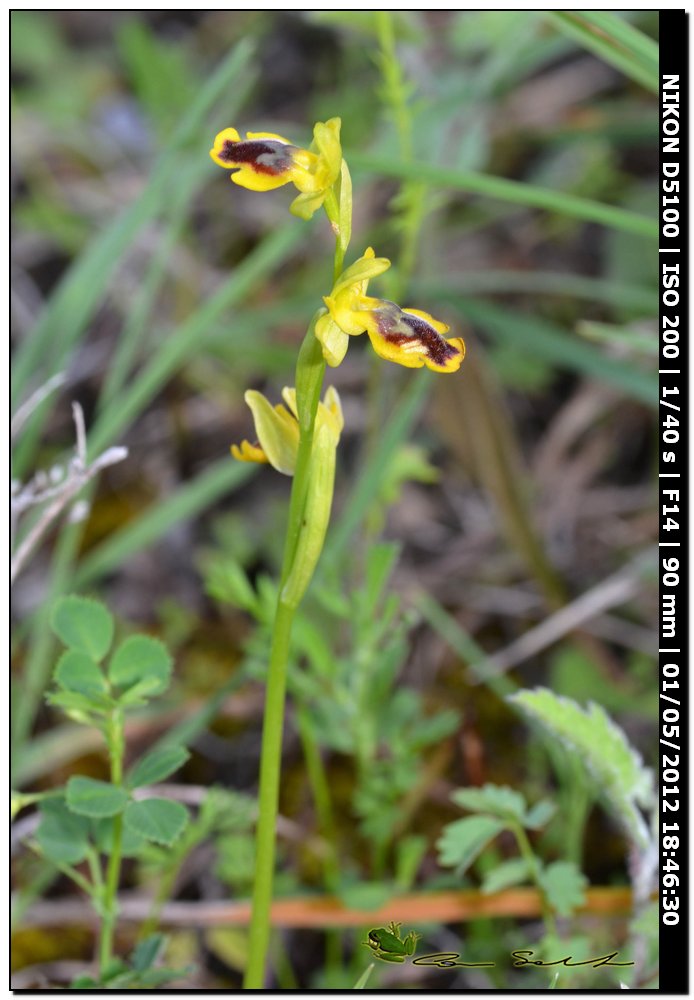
pixel 439 350
pixel 412 338
pixel 265 156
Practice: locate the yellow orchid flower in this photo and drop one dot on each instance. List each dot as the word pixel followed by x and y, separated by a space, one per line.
pixel 264 161
pixel 277 428
pixel 409 337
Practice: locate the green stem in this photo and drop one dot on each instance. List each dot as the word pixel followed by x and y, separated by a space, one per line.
pixel 309 381
pixel 116 746
pixel 528 854
pixel 270 763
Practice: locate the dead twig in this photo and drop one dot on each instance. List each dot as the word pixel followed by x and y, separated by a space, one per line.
pixel 613 591
pixel 327 911
pixel 61 495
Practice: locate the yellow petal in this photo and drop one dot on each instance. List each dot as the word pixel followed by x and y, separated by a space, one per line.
pixel 248 452
pixel 333 409
pixel 289 396
pixel 349 320
pixel 360 272
pixel 326 142
pixel 246 177
pixel 268 135
pixel 428 318
pixel 277 430
pixel 226 135
pixel 333 340
pixel 305 205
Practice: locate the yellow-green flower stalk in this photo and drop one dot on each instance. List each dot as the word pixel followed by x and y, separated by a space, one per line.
pixel 299 438
pixel 409 337
pixel 264 161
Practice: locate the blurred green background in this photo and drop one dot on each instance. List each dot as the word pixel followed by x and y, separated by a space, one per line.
pixel 506 162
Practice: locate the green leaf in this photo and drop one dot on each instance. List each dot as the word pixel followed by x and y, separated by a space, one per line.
pixel 89 797
pixel 146 953
pixel 76 671
pixel 62 836
pixel 464 839
pixel 102 832
pixel 508 873
pixel 157 819
pixel 615 769
pixel 156 766
pixel 141 660
pixel 83 983
pixel 79 706
pixel 496 800
pixel 564 886
pixel 540 814
pixel 611 39
pixel 84 625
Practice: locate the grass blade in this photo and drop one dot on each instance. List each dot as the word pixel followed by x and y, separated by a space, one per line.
pixel 76 299
pixel 185 341
pixel 515 192
pixel 560 347
pixel 582 28
pixel 576 286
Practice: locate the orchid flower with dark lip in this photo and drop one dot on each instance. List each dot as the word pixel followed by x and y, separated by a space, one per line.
pixel 264 161
pixel 409 337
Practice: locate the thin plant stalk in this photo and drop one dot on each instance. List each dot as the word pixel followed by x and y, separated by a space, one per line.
pixel 116 745
pixel 528 856
pixel 310 371
pixel 273 721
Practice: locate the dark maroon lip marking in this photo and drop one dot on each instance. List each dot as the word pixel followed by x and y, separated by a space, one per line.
pixel 390 324
pixel 265 156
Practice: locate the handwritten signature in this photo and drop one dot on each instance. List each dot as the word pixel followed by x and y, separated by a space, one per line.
pixel 450 960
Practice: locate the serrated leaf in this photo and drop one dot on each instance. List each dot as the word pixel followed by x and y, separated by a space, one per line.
pixel 78 672
pixel 564 886
pixel 495 800
pixel 508 873
pixel 156 766
pixel 540 814
pixel 89 797
pixel 157 819
pixel 614 767
pixel 464 839
pixel 141 660
pixel 131 843
pixel 83 624
pixel 62 836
